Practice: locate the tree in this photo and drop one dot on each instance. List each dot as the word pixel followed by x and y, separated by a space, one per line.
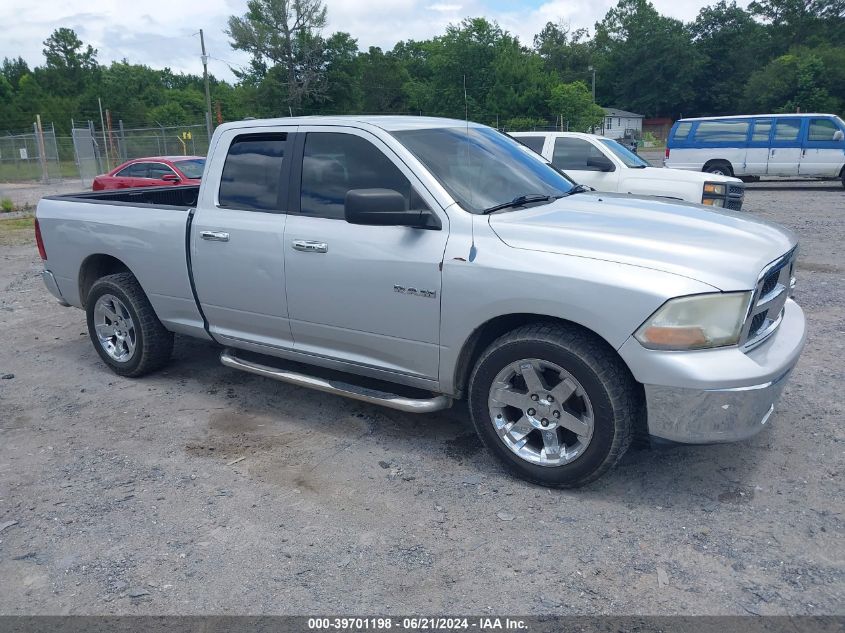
pixel 645 61
pixel 283 33
pixel 566 53
pixel 70 66
pixel 798 80
pixel 731 45
pixel 574 103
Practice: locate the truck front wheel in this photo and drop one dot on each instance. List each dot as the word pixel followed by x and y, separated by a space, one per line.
pixel 124 328
pixel 554 404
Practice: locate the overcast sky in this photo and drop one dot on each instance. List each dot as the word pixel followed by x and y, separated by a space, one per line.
pixel 165 36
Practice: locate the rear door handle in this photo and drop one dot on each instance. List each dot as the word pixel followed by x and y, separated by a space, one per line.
pixel 310 246
pixel 214 236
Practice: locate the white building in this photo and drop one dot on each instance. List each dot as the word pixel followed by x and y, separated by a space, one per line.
pixel 619 123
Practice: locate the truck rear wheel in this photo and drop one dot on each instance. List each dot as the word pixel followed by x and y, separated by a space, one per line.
pixel 124 328
pixel 554 404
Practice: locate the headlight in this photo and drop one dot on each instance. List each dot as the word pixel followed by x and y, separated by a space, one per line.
pixel 696 322
pixel 713 202
pixel 714 188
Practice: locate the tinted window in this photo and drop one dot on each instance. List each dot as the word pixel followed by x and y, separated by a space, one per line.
pixel 682 131
pixel 335 163
pixel 762 128
pixel 822 130
pixel 136 170
pixel 721 131
pixel 533 142
pixel 191 168
pixel 157 170
pixel 787 129
pixel 574 153
pixel 481 167
pixel 252 172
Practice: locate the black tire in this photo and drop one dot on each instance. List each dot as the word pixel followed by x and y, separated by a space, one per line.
pixel 614 394
pixel 720 167
pixel 153 343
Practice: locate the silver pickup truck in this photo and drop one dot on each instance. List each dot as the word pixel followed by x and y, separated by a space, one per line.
pixel 413 261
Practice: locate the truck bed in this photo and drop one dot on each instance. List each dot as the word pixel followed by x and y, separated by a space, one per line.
pixel 145 229
pixel 182 197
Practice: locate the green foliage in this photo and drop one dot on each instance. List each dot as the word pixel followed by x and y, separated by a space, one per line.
pixel 6 205
pixel 523 124
pixel 774 56
pixel 574 103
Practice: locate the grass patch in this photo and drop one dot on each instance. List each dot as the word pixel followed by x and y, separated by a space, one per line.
pixel 16 231
pixel 6 205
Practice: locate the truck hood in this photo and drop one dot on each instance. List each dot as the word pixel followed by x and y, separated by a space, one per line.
pixel 725 250
pixel 678 175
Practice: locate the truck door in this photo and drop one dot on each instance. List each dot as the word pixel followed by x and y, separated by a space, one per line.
pixel 237 249
pixel 785 150
pixel 757 154
pixel 824 149
pixel 585 164
pixel 366 295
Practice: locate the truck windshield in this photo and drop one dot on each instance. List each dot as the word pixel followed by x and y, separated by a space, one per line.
pixel 624 154
pixel 482 168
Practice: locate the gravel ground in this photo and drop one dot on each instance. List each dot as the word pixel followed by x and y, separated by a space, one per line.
pixel 204 490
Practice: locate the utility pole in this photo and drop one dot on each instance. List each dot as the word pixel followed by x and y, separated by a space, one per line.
pixel 207 91
pixel 593 70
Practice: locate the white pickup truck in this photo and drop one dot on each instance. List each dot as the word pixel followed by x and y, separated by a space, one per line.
pixel 430 260
pixel 605 165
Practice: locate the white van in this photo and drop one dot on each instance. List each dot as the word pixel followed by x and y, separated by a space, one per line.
pixel 803 145
pixel 605 165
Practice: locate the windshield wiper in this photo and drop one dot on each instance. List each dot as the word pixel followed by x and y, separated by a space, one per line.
pixel 520 201
pixel 578 189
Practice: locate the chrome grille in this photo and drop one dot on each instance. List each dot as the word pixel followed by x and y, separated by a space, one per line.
pixel 770 294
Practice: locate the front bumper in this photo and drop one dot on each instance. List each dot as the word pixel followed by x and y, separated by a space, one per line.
pixel 720 395
pixel 50 281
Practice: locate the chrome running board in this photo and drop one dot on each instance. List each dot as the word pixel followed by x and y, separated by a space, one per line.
pixel 338 388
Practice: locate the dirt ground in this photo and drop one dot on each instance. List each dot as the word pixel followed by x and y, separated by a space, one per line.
pixel 204 490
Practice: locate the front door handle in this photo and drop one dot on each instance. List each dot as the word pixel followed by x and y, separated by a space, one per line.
pixel 310 246
pixel 214 236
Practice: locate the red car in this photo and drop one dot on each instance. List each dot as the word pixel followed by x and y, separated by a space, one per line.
pixel 155 171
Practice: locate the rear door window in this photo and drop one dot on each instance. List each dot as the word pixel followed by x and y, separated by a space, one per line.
pixel 135 170
pixel 534 143
pixel 721 132
pixel 252 173
pixel 787 130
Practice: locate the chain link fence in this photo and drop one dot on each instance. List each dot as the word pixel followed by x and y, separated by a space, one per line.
pixel 90 150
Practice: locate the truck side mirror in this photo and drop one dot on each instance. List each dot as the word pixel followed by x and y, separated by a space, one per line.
pixel 171 178
pixel 385 207
pixel 601 163
pixel 838 135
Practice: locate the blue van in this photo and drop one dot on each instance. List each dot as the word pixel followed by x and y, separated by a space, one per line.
pixel 809 145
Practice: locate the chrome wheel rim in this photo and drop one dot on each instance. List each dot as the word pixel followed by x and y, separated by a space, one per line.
pixel 115 328
pixel 541 412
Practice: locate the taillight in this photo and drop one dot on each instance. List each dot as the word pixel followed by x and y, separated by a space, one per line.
pixel 667 153
pixel 39 242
